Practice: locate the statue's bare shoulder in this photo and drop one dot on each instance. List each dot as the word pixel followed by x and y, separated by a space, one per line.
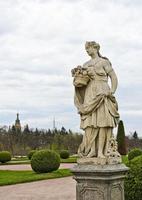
pixel 100 62
pixel 87 64
pixel 107 65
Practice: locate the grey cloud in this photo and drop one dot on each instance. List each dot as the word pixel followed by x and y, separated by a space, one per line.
pixel 41 45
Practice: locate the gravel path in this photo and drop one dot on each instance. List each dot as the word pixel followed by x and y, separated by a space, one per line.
pixel 52 189
pixel 28 166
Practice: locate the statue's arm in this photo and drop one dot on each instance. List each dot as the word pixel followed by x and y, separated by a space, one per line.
pixel 114 81
pixel 111 73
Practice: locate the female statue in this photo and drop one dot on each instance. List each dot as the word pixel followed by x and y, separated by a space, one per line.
pixel 95 102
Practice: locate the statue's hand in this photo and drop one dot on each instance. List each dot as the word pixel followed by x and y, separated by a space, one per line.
pixel 110 93
pixel 90 71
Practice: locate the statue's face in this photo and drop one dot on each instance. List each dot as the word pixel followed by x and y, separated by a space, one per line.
pixel 90 50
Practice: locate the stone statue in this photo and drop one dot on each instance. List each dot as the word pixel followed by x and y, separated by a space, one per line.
pixel 96 104
pixel 99 172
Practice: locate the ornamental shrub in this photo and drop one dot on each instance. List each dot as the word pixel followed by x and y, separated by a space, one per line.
pixel 5 156
pixel 133 180
pixel 64 154
pixel 121 139
pixel 45 161
pixel 30 154
pixel 134 153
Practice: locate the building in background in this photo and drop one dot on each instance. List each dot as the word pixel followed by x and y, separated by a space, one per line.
pixel 17 123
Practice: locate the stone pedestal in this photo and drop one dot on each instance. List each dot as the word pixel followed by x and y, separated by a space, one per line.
pixel 99 182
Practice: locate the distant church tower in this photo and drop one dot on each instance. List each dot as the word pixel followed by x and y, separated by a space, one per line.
pixel 17 123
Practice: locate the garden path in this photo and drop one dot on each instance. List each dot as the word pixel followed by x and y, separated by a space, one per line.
pixel 28 166
pixel 52 189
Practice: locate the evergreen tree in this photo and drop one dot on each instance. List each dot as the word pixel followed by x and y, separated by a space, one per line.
pixel 135 135
pixel 13 129
pixel 26 129
pixel 121 139
pixel 63 131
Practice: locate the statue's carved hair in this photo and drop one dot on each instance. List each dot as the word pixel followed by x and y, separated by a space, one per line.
pixel 93 44
pixel 96 46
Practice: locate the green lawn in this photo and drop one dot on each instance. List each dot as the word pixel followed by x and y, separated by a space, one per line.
pixel 69 160
pixel 125 159
pixel 8 177
pixel 20 158
pixel 15 162
pixel 25 160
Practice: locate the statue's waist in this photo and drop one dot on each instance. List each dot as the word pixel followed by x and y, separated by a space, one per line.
pixel 101 79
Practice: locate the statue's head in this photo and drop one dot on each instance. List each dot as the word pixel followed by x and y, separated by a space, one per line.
pixel 92 47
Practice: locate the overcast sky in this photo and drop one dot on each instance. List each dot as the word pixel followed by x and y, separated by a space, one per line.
pixel 42 40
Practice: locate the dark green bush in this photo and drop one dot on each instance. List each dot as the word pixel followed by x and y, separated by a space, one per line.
pixel 64 154
pixel 134 153
pixel 30 154
pixel 45 161
pixel 5 156
pixel 121 139
pixel 133 181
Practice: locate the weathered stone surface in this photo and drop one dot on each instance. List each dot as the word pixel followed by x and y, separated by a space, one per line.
pixel 97 106
pixel 100 161
pixel 99 172
pixel 96 161
pixel 99 182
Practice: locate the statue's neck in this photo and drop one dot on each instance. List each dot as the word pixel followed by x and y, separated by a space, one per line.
pixel 95 56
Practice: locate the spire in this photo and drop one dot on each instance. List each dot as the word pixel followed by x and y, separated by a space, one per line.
pixel 17 123
pixel 17 120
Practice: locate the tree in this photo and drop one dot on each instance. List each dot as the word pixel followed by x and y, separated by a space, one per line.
pixel 26 129
pixel 63 131
pixel 20 142
pixel 135 135
pixel 121 139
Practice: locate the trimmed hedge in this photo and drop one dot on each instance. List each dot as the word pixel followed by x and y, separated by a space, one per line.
pixel 5 156
pixel 134 153
pixel 64 154
pixel 121 139
pixel 45 161
pixel 133 181
pixel 30 154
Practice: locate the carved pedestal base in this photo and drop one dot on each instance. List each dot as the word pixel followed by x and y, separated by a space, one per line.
pixel 99 161
pixel 96 182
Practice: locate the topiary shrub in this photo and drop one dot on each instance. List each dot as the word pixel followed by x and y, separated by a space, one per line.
pixel 5 156
pixel 134 153
pixel 133 180
pixel 121 139
pixel 30 154
pixel 45 161
pixel 64 154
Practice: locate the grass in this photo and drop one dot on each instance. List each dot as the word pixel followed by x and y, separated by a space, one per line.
pixel 125 159
pixel 72 159
pixel 19 161
pixel 20 158
pixel 15 162
pixel 69 160
pixel 25 160
pixel 8 177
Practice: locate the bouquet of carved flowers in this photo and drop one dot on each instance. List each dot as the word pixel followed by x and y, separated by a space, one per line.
pixel 81 76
